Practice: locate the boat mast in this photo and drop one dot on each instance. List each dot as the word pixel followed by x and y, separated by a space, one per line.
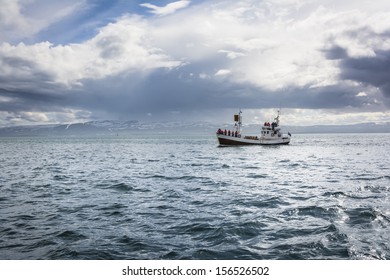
pixel 277 118
pixel 238 122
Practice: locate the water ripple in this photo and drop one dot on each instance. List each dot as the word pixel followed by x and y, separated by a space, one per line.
pixel 177 197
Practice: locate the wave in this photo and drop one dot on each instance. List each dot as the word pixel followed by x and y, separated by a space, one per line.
pixel 70 235
pixel 369 178
pixel 122 187
pixel 257 176
pixel 326 213
pixel 361 217
pixel 165 198
pixel 272 202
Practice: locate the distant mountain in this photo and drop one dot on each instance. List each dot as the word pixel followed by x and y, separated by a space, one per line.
pixel 109 127
pixel 354 128
pixel 106 127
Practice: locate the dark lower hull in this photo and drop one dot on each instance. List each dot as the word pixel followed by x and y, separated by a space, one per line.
pixel 235 142
pixel 225 140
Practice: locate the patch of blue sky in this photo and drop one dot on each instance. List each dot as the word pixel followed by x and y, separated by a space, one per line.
pixel 85 22
pixel 81 25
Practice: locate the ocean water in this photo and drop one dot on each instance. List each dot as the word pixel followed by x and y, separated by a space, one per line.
pixel 183 197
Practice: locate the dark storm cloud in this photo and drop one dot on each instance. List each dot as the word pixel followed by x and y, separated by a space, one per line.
pixel 372 69
pixel 162 90
pixel 182 90
pixel 25 74
pixel 31 89
pixel 159 92
pixel 327 97
pixel 335 52
pixel 30 100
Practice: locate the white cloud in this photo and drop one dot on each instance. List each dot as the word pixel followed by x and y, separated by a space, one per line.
pixel 20 20
pixel 118 48
pixel 223 72
pixel 262 49
pixel 361 94
pixel 271 44
pixel 168 9
pixel 292 117
pixel 10 14
pixel 28 117
pixel 232 54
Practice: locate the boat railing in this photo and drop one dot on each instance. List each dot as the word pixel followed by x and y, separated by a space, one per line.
pixel 251 137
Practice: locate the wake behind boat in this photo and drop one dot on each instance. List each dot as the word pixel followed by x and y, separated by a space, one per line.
pixel 271 134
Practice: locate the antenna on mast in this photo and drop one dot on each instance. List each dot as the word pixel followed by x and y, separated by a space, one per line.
pixel 277 117
pixel 238 121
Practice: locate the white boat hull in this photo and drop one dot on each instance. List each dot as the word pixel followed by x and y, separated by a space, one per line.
pixel 225 140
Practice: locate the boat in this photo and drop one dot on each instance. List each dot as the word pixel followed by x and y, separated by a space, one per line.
pixel 270 134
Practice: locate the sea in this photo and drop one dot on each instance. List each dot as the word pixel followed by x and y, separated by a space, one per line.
pixel 179 197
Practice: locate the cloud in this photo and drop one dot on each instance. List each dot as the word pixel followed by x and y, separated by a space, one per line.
pixel 168 9
pixel 371 71
pixel 362 54
pixel 28 117
pixel 44 77
pixel 117 48
pixel 223 72
pixel 211 56
pixel 23 19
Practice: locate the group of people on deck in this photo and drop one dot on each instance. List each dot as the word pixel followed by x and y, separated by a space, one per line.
pixel 269 124
pixel 273 125
pixel 228 132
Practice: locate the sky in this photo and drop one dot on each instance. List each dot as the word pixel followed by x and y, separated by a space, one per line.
pixel 319 61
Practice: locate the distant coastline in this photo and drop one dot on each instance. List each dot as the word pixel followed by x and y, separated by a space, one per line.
pixel 108 127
